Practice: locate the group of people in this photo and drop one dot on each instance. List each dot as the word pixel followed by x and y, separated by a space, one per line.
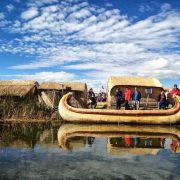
pixel 135 96
pixel 162 98
pixel 128 95
pixel 93 99
pixel 101 97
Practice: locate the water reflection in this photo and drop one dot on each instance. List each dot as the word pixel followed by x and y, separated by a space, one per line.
pixel 135 145
pixel 96 152
pixel 19 135
pixel 120 139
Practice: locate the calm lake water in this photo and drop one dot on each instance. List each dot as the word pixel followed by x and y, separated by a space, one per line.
pixel 75 151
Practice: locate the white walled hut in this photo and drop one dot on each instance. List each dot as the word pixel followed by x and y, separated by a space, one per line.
pixel 52 92
pixel 149 87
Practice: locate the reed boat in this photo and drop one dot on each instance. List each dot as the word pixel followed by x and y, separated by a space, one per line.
pixel 68 131
pixel 72 114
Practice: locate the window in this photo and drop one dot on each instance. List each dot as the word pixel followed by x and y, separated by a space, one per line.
pixel 148 90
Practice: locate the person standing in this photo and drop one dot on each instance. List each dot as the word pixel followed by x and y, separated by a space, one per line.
pixel 92 98
pixel 118 98
pixel 136 97
pixel 175 91
pixel 162 100
pixel 127 96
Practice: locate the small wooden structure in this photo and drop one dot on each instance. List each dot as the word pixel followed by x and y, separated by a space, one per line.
pixel 17 89
pixel 150 88
pixel 52 92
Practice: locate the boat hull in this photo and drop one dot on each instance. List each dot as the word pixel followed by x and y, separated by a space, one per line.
pixel 71 114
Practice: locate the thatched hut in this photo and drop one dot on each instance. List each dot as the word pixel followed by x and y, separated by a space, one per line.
pixel 149 88
pixel 18 89
pixel 19 99
pixel 51 93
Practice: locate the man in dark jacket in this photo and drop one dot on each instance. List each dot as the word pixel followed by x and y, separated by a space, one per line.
pixel 118 98
pixel 92 98
pixel 136 97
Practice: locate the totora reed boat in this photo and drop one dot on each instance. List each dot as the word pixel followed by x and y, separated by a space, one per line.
pixel 72 114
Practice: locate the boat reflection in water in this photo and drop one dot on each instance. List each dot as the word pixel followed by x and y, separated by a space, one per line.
pixel 120 138
pixel 96 151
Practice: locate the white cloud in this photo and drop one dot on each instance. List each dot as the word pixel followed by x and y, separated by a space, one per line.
pixel 45 76
pixel 50 9
pixel 9 7
pixel 41 2
pixel 2 16
pixel 30 13
pixel 145 8
pixel 78 36
pixel 17 24
pixel 108 4
pixel 4 23
pixel 83 13
pixel 165 7
pixel 158 63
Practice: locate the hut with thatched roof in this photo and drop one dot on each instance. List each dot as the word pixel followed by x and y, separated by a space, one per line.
pixel 52 92
pixel 17 89
pixel 19 99
pixel 149 88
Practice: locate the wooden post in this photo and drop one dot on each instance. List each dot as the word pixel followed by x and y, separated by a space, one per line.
pixel 62 89
pixel 147 100
pixel 54 95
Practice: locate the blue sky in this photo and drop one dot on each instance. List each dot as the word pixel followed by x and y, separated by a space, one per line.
pixel 75 40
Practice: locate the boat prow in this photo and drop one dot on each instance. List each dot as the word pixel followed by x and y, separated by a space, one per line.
pixel 72 114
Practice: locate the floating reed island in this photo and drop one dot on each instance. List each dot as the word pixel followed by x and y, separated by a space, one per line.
pixel 31 101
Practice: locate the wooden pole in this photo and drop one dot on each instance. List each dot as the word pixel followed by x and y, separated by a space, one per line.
pixel 62 89
pixel 54 95
pixel 147 100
